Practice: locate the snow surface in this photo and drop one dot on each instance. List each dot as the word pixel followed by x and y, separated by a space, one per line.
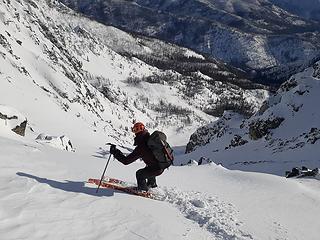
pixel 44 195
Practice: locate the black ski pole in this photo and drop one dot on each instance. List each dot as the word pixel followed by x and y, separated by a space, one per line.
pixel 104 172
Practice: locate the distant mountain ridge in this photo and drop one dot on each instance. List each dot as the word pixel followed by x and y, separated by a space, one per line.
pixel 265 40
pixel 308 9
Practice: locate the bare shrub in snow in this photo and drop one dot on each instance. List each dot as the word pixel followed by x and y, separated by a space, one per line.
pixel 133 81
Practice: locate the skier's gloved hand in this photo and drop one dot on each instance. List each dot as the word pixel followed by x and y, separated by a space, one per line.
pixel 113 149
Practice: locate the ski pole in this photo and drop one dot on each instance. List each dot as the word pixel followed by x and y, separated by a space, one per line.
pixel 104 172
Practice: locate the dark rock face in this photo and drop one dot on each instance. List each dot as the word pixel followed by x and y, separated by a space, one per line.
pixel 21 129
pixel 313 136
pixel 204 134
pixel 4 42
pixel 32 3
pixel 316 68
pixel 288 85
pixel 5 117
pixel 261 128
pixel 196 139
pixel 237 141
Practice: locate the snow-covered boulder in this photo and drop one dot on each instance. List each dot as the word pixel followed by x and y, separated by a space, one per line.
pixel 12 119
pixel 61 142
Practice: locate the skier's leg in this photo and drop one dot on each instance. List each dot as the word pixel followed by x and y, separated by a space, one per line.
pixel 147 173
pixel 152 183
pixel 141 179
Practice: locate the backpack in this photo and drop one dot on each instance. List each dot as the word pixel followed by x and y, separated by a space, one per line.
pixel 161 150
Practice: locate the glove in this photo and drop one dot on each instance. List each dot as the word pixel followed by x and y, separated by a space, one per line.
pixel 113 149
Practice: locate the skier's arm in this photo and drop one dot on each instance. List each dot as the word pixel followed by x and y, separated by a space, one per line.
pixel 127 159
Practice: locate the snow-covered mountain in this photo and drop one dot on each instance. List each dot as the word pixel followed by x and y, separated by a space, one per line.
pixel 309 9
pixel 54 62
pixel 257 36
pixel 283 134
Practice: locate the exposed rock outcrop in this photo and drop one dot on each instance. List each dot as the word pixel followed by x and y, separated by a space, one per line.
pixel 13 120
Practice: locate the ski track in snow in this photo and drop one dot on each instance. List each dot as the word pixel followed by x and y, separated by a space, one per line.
pixel 212 214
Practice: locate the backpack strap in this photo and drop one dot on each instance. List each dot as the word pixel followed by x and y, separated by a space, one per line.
pixel 169 155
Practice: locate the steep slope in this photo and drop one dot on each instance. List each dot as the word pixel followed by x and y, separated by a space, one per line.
pixel 285 132
pixel 61 68
pixel 253 35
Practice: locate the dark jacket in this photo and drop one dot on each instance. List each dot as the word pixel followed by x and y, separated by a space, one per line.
pixel 141 151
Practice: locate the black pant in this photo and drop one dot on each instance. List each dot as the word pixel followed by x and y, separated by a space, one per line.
pixel 149 174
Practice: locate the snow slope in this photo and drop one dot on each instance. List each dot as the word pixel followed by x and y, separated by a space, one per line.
pixel 43 194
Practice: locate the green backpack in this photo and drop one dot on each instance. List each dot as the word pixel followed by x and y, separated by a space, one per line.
pixel 162 151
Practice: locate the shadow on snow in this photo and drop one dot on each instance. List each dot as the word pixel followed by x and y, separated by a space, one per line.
pixel 71 186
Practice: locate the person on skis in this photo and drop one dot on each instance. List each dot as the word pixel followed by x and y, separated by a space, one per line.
pixel 146 177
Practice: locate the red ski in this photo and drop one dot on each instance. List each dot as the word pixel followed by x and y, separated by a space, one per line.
pixel 120 185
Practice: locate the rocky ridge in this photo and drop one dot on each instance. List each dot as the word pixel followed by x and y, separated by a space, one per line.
pixel 282 131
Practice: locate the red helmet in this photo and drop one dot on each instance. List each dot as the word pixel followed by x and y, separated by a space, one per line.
pixel 138 127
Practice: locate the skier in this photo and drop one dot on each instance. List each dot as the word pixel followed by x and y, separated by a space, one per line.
pixel 146 177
